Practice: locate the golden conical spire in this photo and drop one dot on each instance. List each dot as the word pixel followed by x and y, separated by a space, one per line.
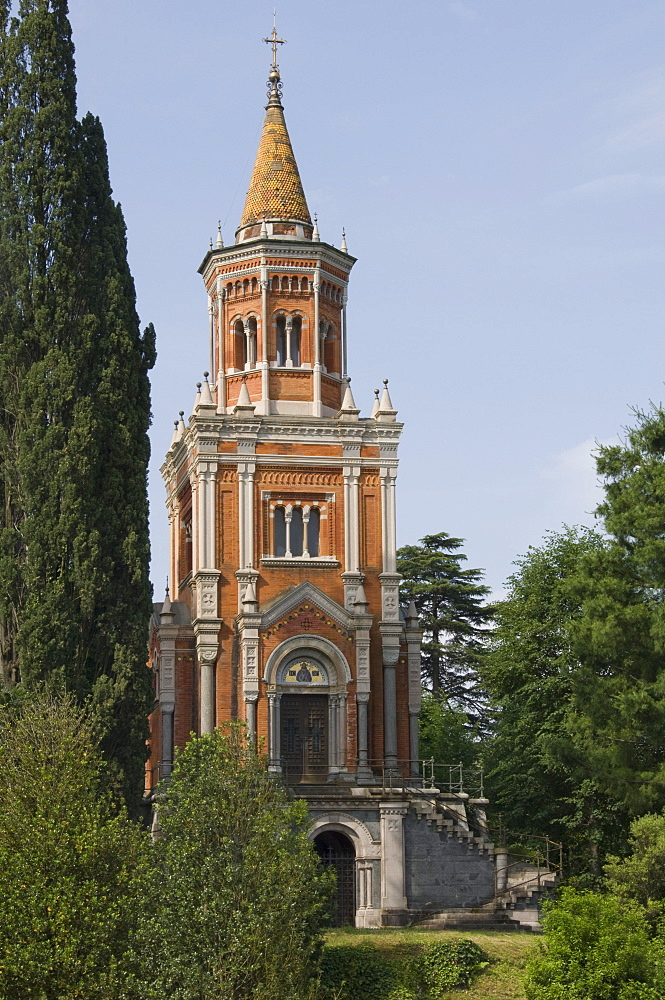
pixel 275 191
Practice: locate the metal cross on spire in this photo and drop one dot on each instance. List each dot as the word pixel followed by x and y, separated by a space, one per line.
pixel 274 41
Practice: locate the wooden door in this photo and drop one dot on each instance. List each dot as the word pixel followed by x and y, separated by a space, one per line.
pixel 304 731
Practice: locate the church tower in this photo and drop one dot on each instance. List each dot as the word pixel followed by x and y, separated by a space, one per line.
pixel 285 607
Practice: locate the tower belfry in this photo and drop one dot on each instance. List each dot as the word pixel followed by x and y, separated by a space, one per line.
pixel 285 607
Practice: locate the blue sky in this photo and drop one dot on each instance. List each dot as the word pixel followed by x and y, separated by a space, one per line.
pixel 498 167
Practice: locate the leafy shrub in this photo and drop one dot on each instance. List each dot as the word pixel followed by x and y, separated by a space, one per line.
pixel 450 964
pixel 353 971
pixel 596 948
pixel 364 972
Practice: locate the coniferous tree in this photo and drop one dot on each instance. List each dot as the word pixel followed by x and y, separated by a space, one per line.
pixel 74 398
pixel 453 616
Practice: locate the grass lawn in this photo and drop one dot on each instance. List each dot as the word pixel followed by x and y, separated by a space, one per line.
pixel 502 980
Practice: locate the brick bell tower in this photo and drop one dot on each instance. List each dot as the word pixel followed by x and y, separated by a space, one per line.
pixel 281 502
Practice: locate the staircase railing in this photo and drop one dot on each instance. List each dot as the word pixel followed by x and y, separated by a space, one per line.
pixel 546 855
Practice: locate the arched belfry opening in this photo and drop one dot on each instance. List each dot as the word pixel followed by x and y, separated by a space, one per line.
pixel 336 851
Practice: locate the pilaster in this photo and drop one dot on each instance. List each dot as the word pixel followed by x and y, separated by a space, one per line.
pixel 393 896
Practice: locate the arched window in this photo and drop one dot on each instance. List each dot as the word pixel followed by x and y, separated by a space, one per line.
pixel 304 285
pixel 279 545
pixel 239 346
pixel 245 286
pixel 313 529
pixel 296 531
pixel 329 347
pixel 281 341
pixel 237 288
pixel 294 284
pixel 285 284
pixel 275 284
pixel 254 285
pixel 296 328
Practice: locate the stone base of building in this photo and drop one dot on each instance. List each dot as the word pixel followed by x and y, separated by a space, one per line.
pixel 401 854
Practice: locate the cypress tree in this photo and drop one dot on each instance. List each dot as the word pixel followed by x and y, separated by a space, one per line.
pixel 74 397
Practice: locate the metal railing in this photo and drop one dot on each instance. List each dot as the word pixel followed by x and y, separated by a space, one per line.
pixel 423 775
pixel 539 852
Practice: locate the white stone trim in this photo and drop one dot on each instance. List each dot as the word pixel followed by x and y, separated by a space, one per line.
pixel 307 591
pixel 341 822
pixel 328 649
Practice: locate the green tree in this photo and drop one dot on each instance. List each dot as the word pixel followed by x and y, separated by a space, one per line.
pixel 69 861
pixel 641 875
pixel 445 734
pixel 539 777
pixel 453 616
pixel 596 948
pixel 234 911
pixel 74 399
pixel 619 691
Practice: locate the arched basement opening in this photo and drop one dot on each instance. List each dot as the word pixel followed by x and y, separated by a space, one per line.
pixel 336 850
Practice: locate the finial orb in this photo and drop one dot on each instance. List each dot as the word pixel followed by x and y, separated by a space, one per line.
pixel 205 374
pixel 274 76
pixel 181 413
pixel 198 385
pixel 385 381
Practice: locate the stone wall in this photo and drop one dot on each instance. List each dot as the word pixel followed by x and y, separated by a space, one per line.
pixel 442 871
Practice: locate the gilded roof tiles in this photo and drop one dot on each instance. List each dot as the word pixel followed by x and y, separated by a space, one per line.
pixel 275 190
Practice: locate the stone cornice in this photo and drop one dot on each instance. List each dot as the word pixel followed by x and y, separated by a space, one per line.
pixel 238 253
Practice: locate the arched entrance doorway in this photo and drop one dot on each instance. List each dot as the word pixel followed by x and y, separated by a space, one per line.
pixel 335 850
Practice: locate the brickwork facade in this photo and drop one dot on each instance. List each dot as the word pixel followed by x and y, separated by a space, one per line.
pixel 284 611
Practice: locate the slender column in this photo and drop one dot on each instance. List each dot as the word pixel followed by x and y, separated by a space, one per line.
pixel 204 503
pixel 242 528
pixel 317 317
pixel 414 745
pixel 363 749
pixel 250 718
pixel 385 535
pixel 341 732
pixel 347 522
pixel 288 513
pixel 211 505
pixel 274 739
pixel 207 696
pixel 355 522
pixel 221 381
pixel 249 519
pixel 248 344
pixel 317 406
pixel 195 521
pixel 305 539
pixel 211 323
pixel 265 366
pixel 167 741
pixel 333 730
pixel 344 357
pixel 393 896
pixel 391 554
pixel 174 526
pixel 390 657
pixel 288 330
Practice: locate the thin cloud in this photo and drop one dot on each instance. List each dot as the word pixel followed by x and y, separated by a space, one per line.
pixel 610 188
pixel 642 109
pixel 463 10
pixel 573 485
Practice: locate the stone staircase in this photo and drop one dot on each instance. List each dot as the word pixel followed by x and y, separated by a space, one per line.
pixel 450 819
pixel 516 908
